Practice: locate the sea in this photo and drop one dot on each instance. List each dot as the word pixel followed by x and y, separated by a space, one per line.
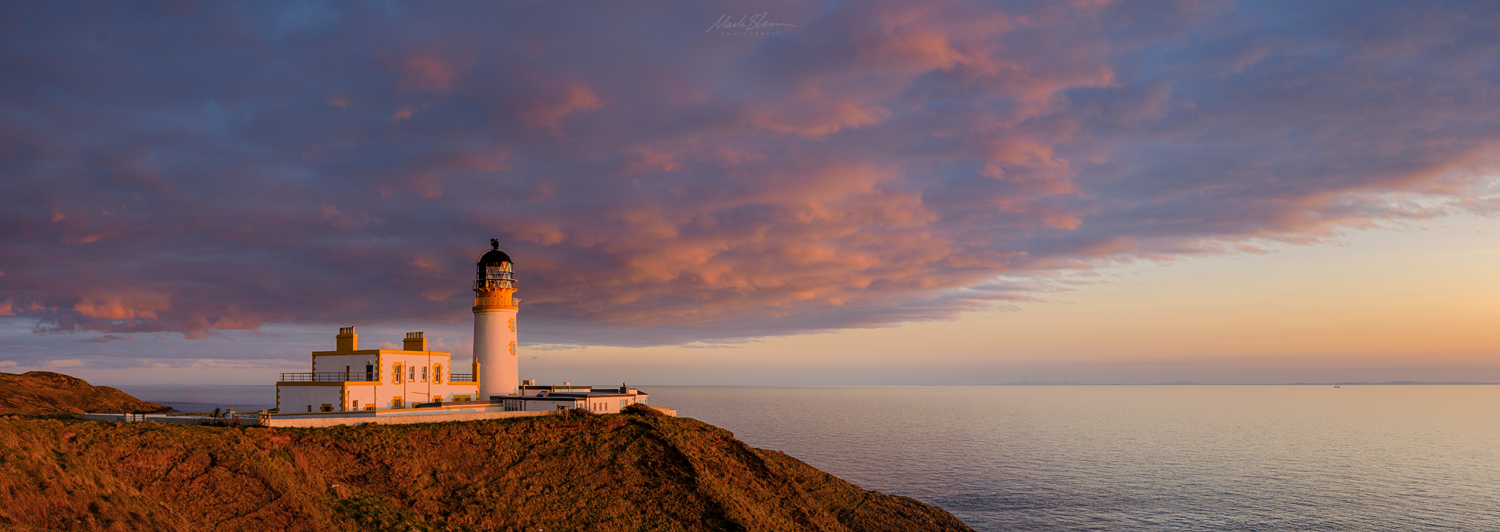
pixel 1283 458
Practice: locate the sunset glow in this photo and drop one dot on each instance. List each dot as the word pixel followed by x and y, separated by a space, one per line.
pixel 843 193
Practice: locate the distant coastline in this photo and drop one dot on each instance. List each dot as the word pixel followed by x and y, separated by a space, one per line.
pixel 1189 383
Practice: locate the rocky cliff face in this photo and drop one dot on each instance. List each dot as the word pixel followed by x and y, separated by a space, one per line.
pixel 616 472
pixel 46 392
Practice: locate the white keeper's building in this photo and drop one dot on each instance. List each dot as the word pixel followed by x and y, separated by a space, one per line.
pixel 350 379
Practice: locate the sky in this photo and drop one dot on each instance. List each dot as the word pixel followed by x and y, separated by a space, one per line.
pixel 758 192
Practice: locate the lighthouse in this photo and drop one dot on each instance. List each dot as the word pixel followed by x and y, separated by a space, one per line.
pixel 495 308
pixel 418 385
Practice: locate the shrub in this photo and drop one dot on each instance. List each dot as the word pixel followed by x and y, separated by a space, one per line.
pixel 640 409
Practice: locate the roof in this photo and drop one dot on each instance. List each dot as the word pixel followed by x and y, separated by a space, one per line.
pixel 494 256
pixel 594 394
pixel 548 397
pixel 381 352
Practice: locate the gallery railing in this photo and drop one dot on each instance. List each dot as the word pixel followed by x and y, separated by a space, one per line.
pixel 329 376
pixel 461 377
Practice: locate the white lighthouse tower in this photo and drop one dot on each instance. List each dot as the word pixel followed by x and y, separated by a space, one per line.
pixel 495 308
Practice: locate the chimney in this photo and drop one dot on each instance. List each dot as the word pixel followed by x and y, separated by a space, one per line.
pixel 347 340
pixel 414 342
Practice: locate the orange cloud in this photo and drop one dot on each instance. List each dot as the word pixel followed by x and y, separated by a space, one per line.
pixel 122 306
pixel 425 73
pixel 651 161
pixel 425 264
pixel 547 109
pixel 484 160
pixel 815 119
pixel 438 294
pixel 541 234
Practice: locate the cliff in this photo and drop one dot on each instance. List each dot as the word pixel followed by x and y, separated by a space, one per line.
pixel 582 472
pixel 40 392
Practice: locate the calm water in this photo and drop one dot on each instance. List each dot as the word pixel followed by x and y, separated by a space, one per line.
pixel 1116 457
pixel 247 398
pixel 1143 457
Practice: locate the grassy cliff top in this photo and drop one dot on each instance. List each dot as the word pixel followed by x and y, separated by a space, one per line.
pixel 581 472
pixel 44 392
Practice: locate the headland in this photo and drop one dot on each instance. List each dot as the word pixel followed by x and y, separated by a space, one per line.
pixel 574 470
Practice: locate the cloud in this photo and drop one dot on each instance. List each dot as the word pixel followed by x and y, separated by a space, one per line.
pixel 108 339
pixel 121 306
pixel 547 107
pixel 425 73
pixel 877 163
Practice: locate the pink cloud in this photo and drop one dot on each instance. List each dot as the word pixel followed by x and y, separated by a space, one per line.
pixel 112 306
pixel 882 163
pixel 546 109
pixel 425 73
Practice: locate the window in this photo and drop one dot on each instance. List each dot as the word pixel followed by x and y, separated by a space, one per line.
pixel 622 404
pixel 424 373
pixel 326 408
pixel 437 373
pixel 413 373
pixel 356 404
pixel 309 408
pixel 396 373
pixel 396 402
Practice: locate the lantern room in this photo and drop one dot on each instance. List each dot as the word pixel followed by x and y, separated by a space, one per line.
pixel 494 270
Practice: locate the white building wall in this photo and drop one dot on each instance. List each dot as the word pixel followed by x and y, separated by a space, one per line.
pixel 495 350
pixel 295 398
pixel 424 378
pixel 412 393
pixel 361 397
pixel 612 404
pixel 410 361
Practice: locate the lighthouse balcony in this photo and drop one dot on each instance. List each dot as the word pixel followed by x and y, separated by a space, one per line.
pixel 461 377
pixel 330 376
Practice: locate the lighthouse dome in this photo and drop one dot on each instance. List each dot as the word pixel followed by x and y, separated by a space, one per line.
pixel 494 256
